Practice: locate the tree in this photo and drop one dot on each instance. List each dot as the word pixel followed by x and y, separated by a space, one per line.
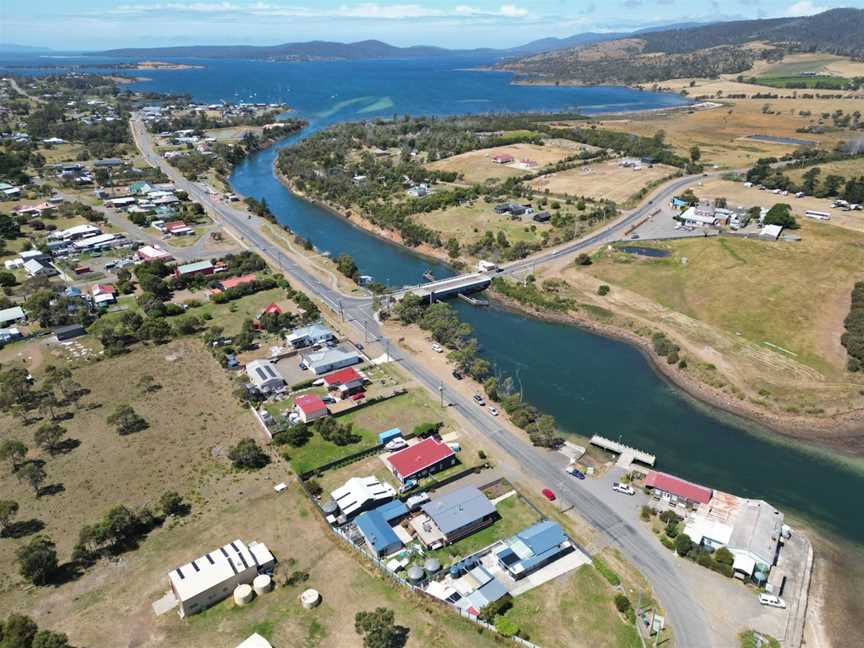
pixel 8 510
pixel 379 630
pixel 622 603
pixel 126 420
pixel 695 154
pixel 49 437
pixel 48 639
pixel 583 260
pixel 810 180
pixel 453 248
pixel 294 435
pixel 7 279
pixel 13 451
pixel 34 474
pixel 171 503
pixel 18 631
pixel 37 560
pixel 683 544
pixel 724 556
pixel 781 214
pixel 345 264
pixel 248 455
pixel 506 627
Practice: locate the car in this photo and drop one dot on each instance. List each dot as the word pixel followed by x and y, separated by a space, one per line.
pixel 437 348
pixel 479 400
pixel 493 411
pixel 317 382
pixel 772 601
pixel 408 485
pixel 457 374
pixel 633 237
pixel 358 396
pixel 575 472
pixel 396 444
pixel 548 494
pixel 359 346
pixel 623 488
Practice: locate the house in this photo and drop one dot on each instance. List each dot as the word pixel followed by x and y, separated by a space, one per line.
pixel 120 203
pixel 178 228
pixel 35 255
pixel 68 332
pixel 321 362
pixel 503 158
pixel 678 203
pixel 233 282
pixel 77 232
pixel 419 191
pixel 9 334
pixel 213 577
pixel 36 269
pixel 310 336
pixel 310 407
pixel 376 528
pixel 460 513
pixel 51 141
pixel 676 490
pixel 264 376
pixel 140 188
pixel 12 315
pixel 518 210
pixel 194 269
pixel 699 217
pixel 272 309
pixel 479 588
pixel 98 242
pixel 359 494
pixel 347 381
pixel 150 253
pixel 755 539
pixel 542 217
pixel 533 548
pixel 104 294
pixel 421 459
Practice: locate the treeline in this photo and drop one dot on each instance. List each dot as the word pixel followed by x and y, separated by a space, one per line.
pixel 20 631
pixel 853 338
pixel 812 182
pixel 200 122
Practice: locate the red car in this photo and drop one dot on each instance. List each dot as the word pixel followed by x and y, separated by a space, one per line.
pixel 548 494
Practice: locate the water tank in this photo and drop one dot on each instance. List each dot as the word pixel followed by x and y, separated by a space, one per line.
pixel 432 565
pixel 243 594
pixel 415 574
pixel 310 598
pixel 329 507
pixel 262 584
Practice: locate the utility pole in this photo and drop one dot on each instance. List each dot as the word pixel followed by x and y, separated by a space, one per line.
pixel 365 332
pixel 441 393
pixel 341 312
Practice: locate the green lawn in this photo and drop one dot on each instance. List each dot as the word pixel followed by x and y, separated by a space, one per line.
pixel 516 514
pixel 230 316
pixel 574 610
pixel 800 82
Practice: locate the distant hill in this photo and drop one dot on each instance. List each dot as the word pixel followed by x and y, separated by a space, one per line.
pixel 12 48
pixel 696 51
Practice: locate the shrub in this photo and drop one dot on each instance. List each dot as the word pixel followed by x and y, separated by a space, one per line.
pixel 622 603
pixel 667 542
pixel 606 571
pixel 603 290
pixel 314 487
pixel 248 455
pixel 724 556
pixel 583 260
pixel 646 513
pixel 683 544
pixel 506 627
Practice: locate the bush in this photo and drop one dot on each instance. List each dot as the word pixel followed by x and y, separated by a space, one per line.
pixel 622 603
pixel 496 609
pixel 583 260
pixel 247 455
pixel 603 290
pixel 724 556
pixel 646 513
pixel 314 487
pixel 606 571
pixel 668 542
pixel 683 544
pixel 506 627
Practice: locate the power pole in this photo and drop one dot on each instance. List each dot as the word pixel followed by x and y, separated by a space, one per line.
pixel 441 393
pixel 341 312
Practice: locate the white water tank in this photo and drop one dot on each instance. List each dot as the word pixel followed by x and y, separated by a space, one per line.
pixel 243 594
pixel 310 598
pixel 262 584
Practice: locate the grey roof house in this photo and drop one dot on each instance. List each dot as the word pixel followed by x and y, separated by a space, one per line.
pixel 461 512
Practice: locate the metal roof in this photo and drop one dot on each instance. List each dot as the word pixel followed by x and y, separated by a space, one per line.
pixel 377 531
pixel 458 509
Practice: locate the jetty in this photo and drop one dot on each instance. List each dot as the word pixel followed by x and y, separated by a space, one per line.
pixel 629 458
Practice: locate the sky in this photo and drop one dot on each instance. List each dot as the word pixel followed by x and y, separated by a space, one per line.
pixel 102 24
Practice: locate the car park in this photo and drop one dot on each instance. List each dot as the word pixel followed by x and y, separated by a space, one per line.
pixel 548 494
pixel 772 601
pixel 626 489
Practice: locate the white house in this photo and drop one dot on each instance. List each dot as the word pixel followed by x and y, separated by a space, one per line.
pixel 264 376
pixel 212 577
pixel 361 493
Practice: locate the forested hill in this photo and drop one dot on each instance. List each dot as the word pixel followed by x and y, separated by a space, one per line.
pixel 699 51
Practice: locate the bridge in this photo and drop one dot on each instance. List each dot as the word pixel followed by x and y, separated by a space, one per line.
pixel 443 288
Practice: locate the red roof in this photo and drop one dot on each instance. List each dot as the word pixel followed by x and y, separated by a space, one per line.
pixel 100 289
pixel 309 403
pixel 238 281
pixel 273 308
pixel 504 157
pixel 422 455
pixel 343 376
pixel 677 486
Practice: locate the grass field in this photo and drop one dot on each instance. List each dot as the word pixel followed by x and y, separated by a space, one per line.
pixel 477 166
pixel 575 610
pixel 603 180
pixel 784 294
pixel 797 82
pixel 468 223
pixel 845 168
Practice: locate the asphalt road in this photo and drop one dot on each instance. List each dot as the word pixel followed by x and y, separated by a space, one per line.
pixel 682 611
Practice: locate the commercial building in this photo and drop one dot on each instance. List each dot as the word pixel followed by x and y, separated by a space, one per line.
pixel 98 242
pixel 421 459
pixel 310 336
pixel 376 528
pixel 212 577
pixel 533 548
pixel 310 407
pixel 34 268
pixel 359 494
pixel 75 233
pixel 460 513
pixel 676 490
pixel 264 376
pixel 151 253
pixel 192 269
pixel 326 360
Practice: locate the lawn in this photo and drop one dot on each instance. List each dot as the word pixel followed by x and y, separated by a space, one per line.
pixel 575 610
pixel 230 316
pixel 798 82
pixel 405 412
pixel 516 514
pixel 477 166
pixel 784 294
pixel 468 223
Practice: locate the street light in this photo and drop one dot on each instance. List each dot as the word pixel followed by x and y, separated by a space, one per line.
pixel 441 393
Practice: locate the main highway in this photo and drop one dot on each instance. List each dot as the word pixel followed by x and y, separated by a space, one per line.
pixel 683 612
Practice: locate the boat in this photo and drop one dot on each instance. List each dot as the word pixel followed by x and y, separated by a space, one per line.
pixel 428 276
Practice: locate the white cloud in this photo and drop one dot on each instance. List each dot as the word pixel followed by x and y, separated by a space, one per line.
pixel 804 8
pixel 512 11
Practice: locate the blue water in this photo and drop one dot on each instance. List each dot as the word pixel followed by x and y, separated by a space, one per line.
pixel 589 383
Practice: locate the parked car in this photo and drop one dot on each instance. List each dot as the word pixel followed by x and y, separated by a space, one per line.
pixel 359 346
pixel 493 411
pixel 457 374
pixel 437 348
pixel 408 485
pixel 627 489
pixel 548 494
pixel 318 382
pixel 479 400
pixel 358 396
pixel 575 472
pixel 396 444
pixel 772 601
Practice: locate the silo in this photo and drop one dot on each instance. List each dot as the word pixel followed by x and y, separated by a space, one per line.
pixel 243 594
pixel 310 598
pixel 262 584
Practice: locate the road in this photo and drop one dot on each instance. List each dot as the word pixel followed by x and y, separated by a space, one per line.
pixel 655 562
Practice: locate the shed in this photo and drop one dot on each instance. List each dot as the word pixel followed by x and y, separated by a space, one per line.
pixel 12 315
pixel 389 435
pixel 68 332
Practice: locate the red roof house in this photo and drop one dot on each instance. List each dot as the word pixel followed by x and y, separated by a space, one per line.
pixel 310 407
pixel 504 158
pixel 421 459
pixel 677 487
pixel 347 378
pixel 178 227
pixel 233 282
pixel 272 308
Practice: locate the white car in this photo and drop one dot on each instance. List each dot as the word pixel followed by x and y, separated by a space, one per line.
pixel 623 488
pixel 437 348
pixel 396 444
pixel 772 601
pixel 493 411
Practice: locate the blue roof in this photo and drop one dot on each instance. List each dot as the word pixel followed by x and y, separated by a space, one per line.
pixel 392 510
pixel 377 532
pixel 488 593
pixel 542 536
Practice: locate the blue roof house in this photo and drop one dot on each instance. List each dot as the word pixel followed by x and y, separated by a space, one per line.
pixel 533 548
pixel 376 529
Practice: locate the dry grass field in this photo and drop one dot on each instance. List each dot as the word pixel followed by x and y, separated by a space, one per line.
pixel 467 223
pixel 477 166
pixel 601 181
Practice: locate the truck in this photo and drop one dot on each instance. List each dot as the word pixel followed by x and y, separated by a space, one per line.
pixel 486 266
